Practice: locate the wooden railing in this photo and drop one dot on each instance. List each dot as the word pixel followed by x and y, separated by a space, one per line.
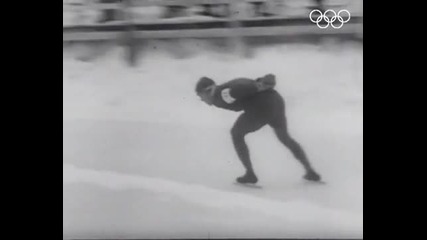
pixel 267 23
pixel 123 25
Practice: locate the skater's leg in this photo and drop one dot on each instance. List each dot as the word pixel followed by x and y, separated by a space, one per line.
pixel 245 124
pixel 242 149
pixel 296 149
pixel 298 152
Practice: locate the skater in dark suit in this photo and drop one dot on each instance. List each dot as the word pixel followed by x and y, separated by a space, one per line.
pixel 261 105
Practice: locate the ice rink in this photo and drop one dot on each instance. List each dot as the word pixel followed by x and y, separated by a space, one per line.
pixel 145 158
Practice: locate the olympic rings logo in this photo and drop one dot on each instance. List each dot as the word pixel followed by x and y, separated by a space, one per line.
pixel 329 19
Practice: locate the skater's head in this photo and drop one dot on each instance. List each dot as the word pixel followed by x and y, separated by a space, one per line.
pixel 205 88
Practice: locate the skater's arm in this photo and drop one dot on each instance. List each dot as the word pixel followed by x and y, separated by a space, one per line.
pixel 239 89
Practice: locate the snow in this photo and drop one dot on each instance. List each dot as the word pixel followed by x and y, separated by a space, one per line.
pixel 145 158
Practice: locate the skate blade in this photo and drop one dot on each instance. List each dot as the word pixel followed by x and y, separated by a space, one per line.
pixel 249 185
pixel 315 182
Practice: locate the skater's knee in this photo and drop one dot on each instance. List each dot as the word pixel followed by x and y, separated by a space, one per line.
pixel 234 132
pixel 284 137
pixel 237 134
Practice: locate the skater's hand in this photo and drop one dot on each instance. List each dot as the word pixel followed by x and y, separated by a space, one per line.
pixel 266 82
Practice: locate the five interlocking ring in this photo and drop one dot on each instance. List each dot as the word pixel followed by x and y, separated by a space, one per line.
pixel 329 20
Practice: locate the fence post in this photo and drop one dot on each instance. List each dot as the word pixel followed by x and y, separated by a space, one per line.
pixel 129 39
pixel 236 41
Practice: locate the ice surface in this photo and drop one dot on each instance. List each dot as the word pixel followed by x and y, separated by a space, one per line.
pixel 144 157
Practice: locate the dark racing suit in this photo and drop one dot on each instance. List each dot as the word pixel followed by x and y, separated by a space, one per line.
pixel 259 108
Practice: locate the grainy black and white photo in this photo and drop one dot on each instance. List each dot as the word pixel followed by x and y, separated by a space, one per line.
pixel 212 119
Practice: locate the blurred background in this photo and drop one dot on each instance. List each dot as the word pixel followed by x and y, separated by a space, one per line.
pixel 145 158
